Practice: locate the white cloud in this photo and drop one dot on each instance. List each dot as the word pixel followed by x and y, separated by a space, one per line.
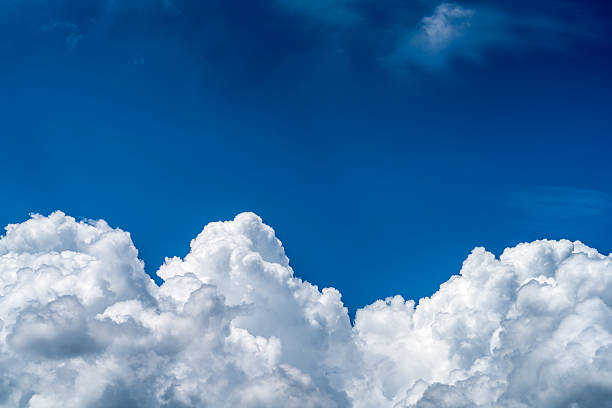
pixel 453 31
pixel 448 22
pixel 82 325
pixel 428 35
pixel 415 40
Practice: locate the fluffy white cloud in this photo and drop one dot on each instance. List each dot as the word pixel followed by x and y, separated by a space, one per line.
pixel 531 329
pixel 82 325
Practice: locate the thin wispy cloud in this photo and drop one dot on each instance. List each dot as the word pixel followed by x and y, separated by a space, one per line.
pixel 70 31
pixel 400 35
pixel 450 30
pixel 551 201
pixel 426 35
pixel 456 31
pixel 439 30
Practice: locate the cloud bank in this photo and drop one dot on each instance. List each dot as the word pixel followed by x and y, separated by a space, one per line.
pixel 82 325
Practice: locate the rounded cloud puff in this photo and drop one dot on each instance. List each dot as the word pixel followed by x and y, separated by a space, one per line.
pixel 82 325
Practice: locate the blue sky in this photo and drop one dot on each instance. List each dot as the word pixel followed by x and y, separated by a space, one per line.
pixel 382 140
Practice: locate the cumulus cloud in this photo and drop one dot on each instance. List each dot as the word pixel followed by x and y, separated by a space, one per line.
pixel 82 325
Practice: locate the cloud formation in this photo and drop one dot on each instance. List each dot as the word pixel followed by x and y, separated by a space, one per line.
pixel 82 325
pixel 429 35
pixel 446 24
pixel 419 35
pixel 449 31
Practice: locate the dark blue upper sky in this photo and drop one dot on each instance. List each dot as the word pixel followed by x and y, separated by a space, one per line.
pixel 383 140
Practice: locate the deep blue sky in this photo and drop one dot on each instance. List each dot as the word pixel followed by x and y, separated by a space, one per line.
pixel 382 140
